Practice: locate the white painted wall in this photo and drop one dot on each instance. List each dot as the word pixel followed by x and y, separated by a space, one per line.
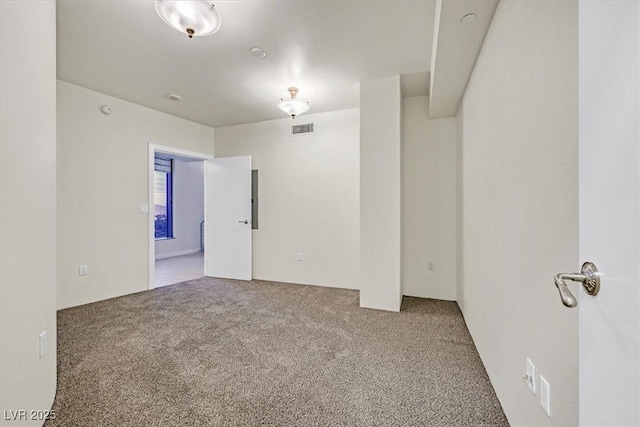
pixel 103 173
pixel 27 206
pixel 188 210
pixel 380 231
pixel 520 198
pixel 308 197
pixel 428 202
pixel 610 211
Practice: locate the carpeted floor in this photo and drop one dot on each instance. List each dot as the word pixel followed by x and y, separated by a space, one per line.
pixel 229 353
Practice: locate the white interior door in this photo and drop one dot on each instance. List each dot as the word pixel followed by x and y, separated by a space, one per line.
pixel 228 218
pixel 609 73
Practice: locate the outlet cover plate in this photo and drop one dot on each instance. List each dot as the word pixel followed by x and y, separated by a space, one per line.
pixel 531 376
pixel 43 344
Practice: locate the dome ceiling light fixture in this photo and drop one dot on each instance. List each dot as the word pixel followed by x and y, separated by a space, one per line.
pixel 293 106
pixel 193 18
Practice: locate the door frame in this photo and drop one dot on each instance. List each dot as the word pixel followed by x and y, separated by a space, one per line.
pixel 178 152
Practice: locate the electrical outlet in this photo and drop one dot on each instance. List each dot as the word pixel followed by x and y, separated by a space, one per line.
pixel 300 256
pixel 530 378
pixel 43 344
pixel 83 270
pixel 545 395
pixel 432 266
pixel 144 209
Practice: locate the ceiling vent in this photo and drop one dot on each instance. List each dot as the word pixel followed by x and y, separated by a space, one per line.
pixel 301 129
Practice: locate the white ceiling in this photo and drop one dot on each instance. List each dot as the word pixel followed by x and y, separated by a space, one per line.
pixel 455 51
pixel 122 48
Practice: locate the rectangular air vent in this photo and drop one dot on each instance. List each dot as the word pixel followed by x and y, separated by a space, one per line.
pixel 301 129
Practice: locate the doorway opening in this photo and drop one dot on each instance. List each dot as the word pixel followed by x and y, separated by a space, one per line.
pixel 176 215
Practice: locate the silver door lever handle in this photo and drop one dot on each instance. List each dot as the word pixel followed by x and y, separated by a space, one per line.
pixel 590 281
pixel 244 222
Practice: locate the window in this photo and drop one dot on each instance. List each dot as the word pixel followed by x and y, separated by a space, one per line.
pixel 163 197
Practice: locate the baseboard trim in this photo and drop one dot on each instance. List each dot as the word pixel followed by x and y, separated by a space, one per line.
pixel 428 296
pixel 172 254
pixel 320 285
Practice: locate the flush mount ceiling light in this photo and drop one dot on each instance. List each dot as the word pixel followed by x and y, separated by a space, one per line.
pixel 193 18
pixel 293 106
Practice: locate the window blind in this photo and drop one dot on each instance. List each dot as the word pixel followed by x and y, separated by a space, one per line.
pixel 162 164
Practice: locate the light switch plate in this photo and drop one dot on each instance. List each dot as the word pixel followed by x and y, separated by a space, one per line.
pixel 545 395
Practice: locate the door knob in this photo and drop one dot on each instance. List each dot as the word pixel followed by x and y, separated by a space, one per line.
pixel 589 278
pixel 244 222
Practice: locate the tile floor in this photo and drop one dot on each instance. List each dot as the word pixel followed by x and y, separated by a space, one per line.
pixel 179 269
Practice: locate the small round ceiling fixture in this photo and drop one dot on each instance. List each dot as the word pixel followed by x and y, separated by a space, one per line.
pixel 174 97
pixel 257 52
pixel 468 18
pixel 105 109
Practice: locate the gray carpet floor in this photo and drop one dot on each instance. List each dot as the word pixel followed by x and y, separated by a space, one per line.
pixel 230 353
